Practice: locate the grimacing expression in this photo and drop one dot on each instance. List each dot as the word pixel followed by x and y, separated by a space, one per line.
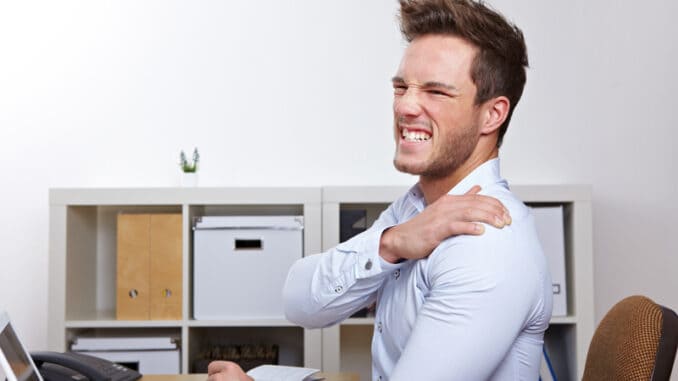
pixel 436 120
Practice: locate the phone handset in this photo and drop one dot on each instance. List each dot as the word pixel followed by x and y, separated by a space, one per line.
pixel 83 364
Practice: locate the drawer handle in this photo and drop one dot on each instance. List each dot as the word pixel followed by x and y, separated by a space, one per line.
pixel 247 244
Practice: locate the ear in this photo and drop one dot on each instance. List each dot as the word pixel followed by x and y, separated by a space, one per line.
pixel 494 113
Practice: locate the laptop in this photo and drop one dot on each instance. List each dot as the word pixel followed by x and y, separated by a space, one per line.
pixel 15 361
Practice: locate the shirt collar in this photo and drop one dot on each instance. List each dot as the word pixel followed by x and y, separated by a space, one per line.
pixel 485 174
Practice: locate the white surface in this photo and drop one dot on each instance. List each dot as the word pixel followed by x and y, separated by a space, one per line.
pixel 122 343
pixel 549 224
pixel 149 362
pixel 280 373
pixel 106 94
pixel 250 222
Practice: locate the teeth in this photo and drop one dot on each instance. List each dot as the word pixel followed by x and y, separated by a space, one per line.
pixel 415 136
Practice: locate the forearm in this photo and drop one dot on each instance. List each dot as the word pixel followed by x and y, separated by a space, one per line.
pixel 327 288
pixel 387 248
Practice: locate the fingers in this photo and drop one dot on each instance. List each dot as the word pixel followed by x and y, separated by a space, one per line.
pixel 476 215
pixel 470 203
pixel 215 367
pixel 466 228
pixel 474 190
pixel 220 366
pixel 226 371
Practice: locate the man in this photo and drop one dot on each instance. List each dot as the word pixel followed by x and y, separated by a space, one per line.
pixel 449 306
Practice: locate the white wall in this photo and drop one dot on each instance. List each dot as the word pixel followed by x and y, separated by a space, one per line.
pixel 99 93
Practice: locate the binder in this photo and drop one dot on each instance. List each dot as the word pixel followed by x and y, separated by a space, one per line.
pixel 133 267
pixel 551 233
pixel 166 267
pixel 149 267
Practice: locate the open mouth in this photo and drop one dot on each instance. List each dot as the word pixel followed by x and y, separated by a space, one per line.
pixel 415 135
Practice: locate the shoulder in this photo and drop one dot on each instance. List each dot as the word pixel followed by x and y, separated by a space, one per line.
pixel 505 265
pixel 519 211
pixel 509 254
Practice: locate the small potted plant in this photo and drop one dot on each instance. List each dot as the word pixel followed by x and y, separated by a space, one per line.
pixel 189 168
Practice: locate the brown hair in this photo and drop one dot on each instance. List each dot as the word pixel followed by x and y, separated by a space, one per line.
pixel 499 66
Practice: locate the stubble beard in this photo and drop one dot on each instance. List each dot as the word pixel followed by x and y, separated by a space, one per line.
pixel 454 152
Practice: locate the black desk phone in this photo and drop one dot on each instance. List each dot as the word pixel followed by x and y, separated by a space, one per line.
pixel 71 366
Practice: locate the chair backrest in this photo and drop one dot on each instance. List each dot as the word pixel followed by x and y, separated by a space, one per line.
pixel 636 340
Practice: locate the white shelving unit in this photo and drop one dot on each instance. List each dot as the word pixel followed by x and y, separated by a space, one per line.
pixel 83 253
pixel 346 347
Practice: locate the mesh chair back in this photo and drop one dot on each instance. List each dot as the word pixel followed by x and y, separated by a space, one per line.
pixel 636 340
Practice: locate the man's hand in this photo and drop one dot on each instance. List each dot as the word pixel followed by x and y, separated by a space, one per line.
pixel 446 217
pixel 226 371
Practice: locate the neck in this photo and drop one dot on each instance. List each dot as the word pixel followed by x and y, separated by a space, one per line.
pixel 434 188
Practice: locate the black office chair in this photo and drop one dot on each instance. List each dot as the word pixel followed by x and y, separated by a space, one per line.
pixel 636 340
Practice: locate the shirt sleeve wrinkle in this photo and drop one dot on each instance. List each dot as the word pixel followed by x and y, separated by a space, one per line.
pixel 339 281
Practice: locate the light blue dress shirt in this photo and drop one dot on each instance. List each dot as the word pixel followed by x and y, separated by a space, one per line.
pixel 475 309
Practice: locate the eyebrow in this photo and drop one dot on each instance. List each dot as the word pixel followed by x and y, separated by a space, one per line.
pixel 429 84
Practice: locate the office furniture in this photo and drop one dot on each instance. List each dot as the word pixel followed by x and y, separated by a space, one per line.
pixel 82 263
pixel 636 340
pixel 83 251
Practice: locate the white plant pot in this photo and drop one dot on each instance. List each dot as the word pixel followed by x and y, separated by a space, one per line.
pixel 189 179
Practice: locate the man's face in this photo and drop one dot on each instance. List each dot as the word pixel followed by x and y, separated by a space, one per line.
pixel 435 118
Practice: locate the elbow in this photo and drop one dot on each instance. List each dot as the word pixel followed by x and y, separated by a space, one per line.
pixel 298 302
pixel 300 310
pixel 303 319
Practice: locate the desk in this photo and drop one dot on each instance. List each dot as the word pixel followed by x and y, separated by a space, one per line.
pixel 203 377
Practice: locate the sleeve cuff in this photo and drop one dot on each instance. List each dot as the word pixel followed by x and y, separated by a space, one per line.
pixel 368 262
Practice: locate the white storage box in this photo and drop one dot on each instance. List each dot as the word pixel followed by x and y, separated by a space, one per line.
pixel 147 355
pixel 240 264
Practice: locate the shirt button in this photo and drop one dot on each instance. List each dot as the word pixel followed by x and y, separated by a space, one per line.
pixel 379 378
pixel 396 274
pixel 338 289
pixel 379 327
pixel 368 264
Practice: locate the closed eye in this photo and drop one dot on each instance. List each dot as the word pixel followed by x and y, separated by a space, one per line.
pixel 399 89
pixel 438 92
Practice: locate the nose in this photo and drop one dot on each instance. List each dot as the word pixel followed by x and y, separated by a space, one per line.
pixel 407 104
